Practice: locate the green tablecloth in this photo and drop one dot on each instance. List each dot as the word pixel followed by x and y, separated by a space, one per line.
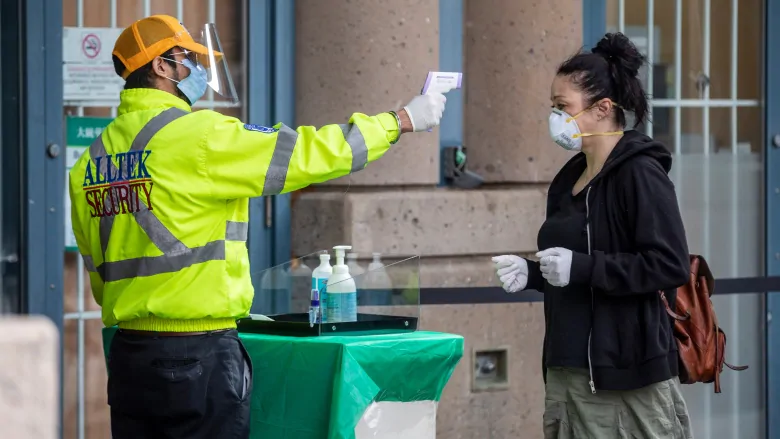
pixel 319 387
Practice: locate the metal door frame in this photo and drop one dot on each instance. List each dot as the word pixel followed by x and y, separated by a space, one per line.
pixel 42 167
pixel 10 157
pixel 594 21
pixel 259 111
pixel 270 57
pixel 772 194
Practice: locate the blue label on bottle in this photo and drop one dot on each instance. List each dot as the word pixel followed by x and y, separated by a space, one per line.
pixel 319 284
pixel 342 307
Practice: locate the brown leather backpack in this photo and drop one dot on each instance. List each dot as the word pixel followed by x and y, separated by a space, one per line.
pixel 700 341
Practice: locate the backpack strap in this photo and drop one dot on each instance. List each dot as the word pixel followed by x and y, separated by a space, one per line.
pixel 669 311
pixel 718 358
pixel 737 368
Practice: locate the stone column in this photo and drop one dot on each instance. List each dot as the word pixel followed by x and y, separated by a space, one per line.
pixel 512 49
pixel 369 56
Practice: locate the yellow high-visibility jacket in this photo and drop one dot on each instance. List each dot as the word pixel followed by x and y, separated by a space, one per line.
pixel 160 204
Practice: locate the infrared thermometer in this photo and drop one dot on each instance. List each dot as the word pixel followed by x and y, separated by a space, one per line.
pixel 442 82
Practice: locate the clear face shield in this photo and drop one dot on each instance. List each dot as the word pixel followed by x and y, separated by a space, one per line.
pixel 215 63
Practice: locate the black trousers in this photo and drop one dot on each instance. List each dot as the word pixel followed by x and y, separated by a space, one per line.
pixel 179 387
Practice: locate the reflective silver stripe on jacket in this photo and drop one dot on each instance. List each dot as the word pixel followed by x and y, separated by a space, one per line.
pixel 176 256
pixel 276 176
pixel 153 265
pixel 89 264
pixel 286 139
pixel 236 231
pixel 357 143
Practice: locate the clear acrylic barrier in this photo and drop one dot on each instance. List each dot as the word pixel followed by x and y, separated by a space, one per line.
pixel 385 298
pixel 285 288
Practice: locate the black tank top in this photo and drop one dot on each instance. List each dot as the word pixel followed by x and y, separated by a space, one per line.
pixel 567 310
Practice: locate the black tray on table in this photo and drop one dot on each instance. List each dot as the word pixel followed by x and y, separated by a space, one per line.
pixel 297 325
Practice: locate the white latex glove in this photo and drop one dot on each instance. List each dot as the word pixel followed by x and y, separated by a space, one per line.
pixel 512 271
pixel 555 265
pixel 425 111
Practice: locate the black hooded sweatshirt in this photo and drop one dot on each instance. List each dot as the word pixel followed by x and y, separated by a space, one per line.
pixel 628 242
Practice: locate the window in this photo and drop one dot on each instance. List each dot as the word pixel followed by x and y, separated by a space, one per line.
pixel 704 78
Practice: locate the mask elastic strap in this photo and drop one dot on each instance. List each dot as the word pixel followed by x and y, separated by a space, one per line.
pixel 177 62
pixel 174 61
pixel 186 54
pixel 571 118
pixel 609 133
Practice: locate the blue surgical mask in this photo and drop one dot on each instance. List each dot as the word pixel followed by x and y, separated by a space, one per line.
pixel 194 85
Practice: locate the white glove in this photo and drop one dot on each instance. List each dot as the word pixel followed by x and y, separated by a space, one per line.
pixel 425 111
pixel 555 265
pixel 512 271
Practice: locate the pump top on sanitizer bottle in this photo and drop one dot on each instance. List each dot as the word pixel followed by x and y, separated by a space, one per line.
pixel 341 290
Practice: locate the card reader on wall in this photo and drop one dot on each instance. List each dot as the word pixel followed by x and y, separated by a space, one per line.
pixel 454 163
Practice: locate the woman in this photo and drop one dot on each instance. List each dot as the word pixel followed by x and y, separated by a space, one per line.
pixel 613 237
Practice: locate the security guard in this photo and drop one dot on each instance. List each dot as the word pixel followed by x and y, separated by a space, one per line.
pixel 160 214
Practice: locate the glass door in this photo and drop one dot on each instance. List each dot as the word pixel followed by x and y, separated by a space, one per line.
pixel 704 78
pixel 11 301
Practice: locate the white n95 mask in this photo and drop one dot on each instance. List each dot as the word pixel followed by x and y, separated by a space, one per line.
pixel 566 133
pixel 564 130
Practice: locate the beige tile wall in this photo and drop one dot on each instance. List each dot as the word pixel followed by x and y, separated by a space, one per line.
pixel 512 413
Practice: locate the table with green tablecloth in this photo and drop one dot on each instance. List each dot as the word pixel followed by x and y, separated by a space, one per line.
pixel 319 387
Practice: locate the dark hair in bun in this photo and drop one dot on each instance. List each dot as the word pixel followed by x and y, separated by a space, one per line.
pixel 611 71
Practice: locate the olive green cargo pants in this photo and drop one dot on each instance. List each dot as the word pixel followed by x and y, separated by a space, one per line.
pixel 571 411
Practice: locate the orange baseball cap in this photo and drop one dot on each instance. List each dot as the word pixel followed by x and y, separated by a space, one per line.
pixel 150 37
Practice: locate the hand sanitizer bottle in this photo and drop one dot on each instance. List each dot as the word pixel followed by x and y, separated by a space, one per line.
pixel 319 278
pixel 379 283
pixel 341 289
pixel 354 268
